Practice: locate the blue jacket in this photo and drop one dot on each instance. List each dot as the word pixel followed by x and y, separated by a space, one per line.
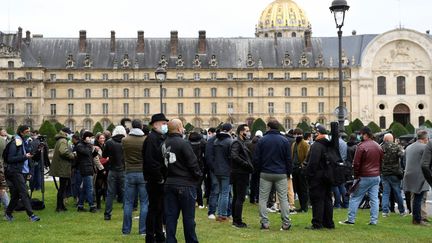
pixel 17 155
pixel 219 157
pixel 273 154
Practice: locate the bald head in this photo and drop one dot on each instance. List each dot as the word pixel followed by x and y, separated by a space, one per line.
pixel 388 138
pixel 175 126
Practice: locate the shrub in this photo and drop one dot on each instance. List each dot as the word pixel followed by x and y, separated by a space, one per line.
pixel 258 124
pixel 398 129
pixel 111 127
pixel 410 128
pixel 428 124
pixel 47 129
pixel 374 127
pixel 356 125
pixel 58 126
pixel 97 128
pixel 304 126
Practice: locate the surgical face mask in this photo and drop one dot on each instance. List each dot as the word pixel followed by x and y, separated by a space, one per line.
pixel 92 141
pixel 327 137
pixel 205 137
pixel 247 135
pixel 69 136
pixel 359 137
pixel 164 129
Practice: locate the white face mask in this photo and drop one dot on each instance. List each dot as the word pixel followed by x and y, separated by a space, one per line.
pixel 164 129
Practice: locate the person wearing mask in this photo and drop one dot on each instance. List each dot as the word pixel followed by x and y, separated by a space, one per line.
pixel 367 169
pixel 183 176
pixel 414 180
pixel 154 171
pixel 214 185
pixel 273 161
pixel 241 167
pixel 254 182
pixel 320 191
pixel 115 168
pixel 339 191
pixel 221 168
pixel 61 165
pixel 17 170
pixel 198 146
pixel 85 154
pixel 102 172
pixel 299 150
pixel 134 178
pixel 391 170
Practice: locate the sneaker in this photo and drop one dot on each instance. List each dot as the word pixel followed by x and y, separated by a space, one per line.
pixel 212 216
pixel 346 222
pixel 271 210
pixel 239 225
pixel 404 214
pixel 265 227
pixel 93 210
pixel 372 224
pixel 421 223
pixel 285 227
pixel 385 215
pixel 312 228
pixel 201 207
pixel 8 218
pixel 293 211
pixel 34 218
pixel 81 209
pixel 107 217
pixel 274 207
pixel 222 219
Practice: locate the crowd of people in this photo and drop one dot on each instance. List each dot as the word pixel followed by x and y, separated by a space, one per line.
pixel 166 172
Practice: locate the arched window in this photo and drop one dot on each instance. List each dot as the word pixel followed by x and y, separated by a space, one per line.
pixel 381 84
pixel 197 92
pixel 88 124
pixel 70 124
pixel 250 92
pixel 293 34
pixel 11 64
pixel 279 34
pixel 421 120
pixel 401 85
pixel 420 85
pixel 320 91
pixel 125 93
pixel 287 92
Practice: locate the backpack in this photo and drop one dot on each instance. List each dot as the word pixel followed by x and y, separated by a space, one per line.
pixel 5 154
pixel 335 168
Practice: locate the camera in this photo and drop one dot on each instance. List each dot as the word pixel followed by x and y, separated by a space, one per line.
pixel 42 138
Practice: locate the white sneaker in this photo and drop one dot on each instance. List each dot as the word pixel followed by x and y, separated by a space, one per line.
pixel 385 215
pixel 212 216
pixel 271 210
pixel 201 207
pixel 404 214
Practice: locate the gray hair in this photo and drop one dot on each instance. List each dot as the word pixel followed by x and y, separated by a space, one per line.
pixel 422 134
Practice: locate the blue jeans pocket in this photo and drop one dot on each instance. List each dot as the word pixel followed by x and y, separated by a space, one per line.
pixel 193 193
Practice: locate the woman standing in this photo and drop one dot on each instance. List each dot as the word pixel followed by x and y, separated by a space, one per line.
pixel 101 175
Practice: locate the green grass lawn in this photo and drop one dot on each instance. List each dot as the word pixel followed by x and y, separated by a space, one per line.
pixel 87 227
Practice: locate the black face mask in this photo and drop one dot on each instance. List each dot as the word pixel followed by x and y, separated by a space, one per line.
pixel 299 139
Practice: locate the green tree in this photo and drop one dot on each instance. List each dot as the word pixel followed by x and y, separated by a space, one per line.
pixel 258 124
pixel 398 130
pixel 410 128
pixel 374 127
pixel 97 128
pixel 428 124
pixel 10 131
pixel 356 125
pixel 58 126
pixel 304 126
pixel 189 127
pixel 348 130
pixel 111 127
pixel 47 129
pixel 281 128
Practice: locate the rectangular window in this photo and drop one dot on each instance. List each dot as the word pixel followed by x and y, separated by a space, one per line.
pixel 270 76
pixel 213 76
pixel 213 92
pixel 320 75
pixel 29 76
pixel 11 108
pixel 287 76
pixel 105 93
pixel 164 108
pixel 382 121
pixel 146 108
pixel 53 109
pixel 70 109
pixel 230 107
pixel 401 85
pixel 304 107
pixel 88 109
pixel 125 76
pixel 126 109
pixel 304 92
pixel 88 93
pixel 53 93
pixel 320 91
pixel 214 108
pixel 180 108
pixel 250 108
pixel 146 92
pixel 180 76
pixel 270 92
pixel 287 107
pixel 11 93
pixel 87 77
pixel 420 85
pixel 197 107
pixel 70 77
pixel 250 76
pixel 105 77
pixel 303 76
pixel 197 76
pixel 230 76
pixel 70 93
pixel 53 77
pixel 230 92
pixel 146 76
pixel 180 92
pixel 11 76
pixel 29 92
pixel 287 92
pixel 271 108
pixel 321 107
pixel 105 110
pixel 29 109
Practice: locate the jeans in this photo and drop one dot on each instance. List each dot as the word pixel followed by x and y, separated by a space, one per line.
pixel 391 183
pixel 240 183
pixel 134 184
pixel 76 181
pixel 369 185
pixel 281 184
pixel 224 189
pixel 86 191
pixel 18 189
pixel 61 192
pixel 214 194
pixel 416 207
pixel 180 198
pixel 154 221
pixel 4 197
pixel 115 180
pixel 341 200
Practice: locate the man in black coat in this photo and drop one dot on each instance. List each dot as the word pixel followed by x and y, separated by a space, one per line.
pixel 320 192
pixel 154 173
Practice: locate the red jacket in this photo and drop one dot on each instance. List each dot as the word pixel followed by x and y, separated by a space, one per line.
pixel 367 159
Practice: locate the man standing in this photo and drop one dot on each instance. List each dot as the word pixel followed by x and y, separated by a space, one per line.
pixel 320 190
pixel 184 173
pixel 17 170
pixel 273 160
pixel 134 179
pixel 299 150
pixel 414 180
pixel 391 169
pixel 115 167
pixel 154 173
pixel 254 182
pixel 241 167
pixel 367 168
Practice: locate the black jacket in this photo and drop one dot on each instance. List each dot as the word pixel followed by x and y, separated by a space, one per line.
pixel 220 158
pixel 84 158
pixel 183 168
pixel 17 155
pixel 241 159
pixel 114 150
pixel 317 162
pixel 153 166
pixel 198 147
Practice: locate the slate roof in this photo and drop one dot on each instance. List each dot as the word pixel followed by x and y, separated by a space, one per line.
pixel 53 52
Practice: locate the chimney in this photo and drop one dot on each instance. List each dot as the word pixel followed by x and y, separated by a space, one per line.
pixel 19 41
pixel 82 41
pixel 202 44
pixel 354 32
pixel 140 43
pixel 27 39
pixel 308 40
pixel 174 43
pixel 112 43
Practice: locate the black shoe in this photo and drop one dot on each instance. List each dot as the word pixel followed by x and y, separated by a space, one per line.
pixel 346 222
pixel 58 210
pixel 265 227
pixel 312 228
pixel 93 210
pixel 107 217
pixel 285 227
pixel 301 211
pixel 239 225
pixel 81 209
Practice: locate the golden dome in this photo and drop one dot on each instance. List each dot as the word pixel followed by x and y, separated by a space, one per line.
pixel 283 15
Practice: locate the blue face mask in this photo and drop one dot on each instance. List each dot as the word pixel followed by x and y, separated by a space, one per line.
pixel 359 138
pixel 164 129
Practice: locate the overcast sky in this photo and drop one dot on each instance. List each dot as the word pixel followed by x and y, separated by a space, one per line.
pixel 220 18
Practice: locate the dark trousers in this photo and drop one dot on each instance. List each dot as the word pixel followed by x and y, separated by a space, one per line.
pixel 154 229
pixel 180 198
pixel 416 207
pixel 322 206
pixel 64 182
pixel 408 201
pixel 101 187
pixel 18 189
pixel 301 188
pixel 199 197
pixel 240 183
pixel 254 187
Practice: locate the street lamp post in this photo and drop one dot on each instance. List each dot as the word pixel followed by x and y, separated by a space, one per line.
pixel 160 75
pixel 338 8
